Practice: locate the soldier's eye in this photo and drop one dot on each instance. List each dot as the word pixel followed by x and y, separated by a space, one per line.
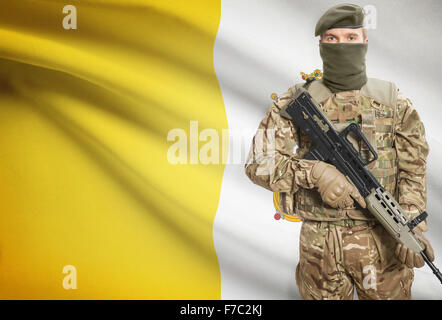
pixel 351 38
pixel 331 38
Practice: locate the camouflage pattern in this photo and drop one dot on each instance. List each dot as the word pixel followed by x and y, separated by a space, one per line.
pixel 271 162
pixel 338 248
pixel 397 134
pixel 412 149
pixel 336 257
pixel 376 121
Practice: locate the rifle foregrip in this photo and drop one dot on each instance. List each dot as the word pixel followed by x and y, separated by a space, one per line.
pixel 383 206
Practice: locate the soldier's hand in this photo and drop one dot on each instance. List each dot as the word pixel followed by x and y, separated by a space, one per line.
pixel 411 258
pixel 333 186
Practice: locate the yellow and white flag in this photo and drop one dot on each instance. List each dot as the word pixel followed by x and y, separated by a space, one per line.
pixel 124 129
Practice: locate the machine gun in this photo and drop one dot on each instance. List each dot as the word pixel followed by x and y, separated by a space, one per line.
pixel 335 148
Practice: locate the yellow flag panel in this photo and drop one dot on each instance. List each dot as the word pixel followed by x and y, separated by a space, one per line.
pixel 90 206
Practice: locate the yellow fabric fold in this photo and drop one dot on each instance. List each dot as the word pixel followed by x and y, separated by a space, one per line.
pixel 85 179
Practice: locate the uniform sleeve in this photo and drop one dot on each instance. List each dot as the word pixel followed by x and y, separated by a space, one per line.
pixel 412 151
pixel 271 162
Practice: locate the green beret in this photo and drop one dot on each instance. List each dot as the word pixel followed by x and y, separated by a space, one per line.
pixel 341 16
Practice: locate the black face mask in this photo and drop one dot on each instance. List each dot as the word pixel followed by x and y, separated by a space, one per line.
pixel 344 65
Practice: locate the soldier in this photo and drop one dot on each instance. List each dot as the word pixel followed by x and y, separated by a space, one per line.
pixel 342 246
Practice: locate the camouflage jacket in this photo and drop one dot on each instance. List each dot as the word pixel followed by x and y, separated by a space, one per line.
pixel 276 162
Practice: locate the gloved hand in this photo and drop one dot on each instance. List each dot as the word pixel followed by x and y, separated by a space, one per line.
pixel 335 189
pixel 409 257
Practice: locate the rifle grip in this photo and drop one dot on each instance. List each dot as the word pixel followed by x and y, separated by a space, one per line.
pixel 353 127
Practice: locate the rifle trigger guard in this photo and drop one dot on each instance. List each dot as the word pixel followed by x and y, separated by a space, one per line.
pixel 354 127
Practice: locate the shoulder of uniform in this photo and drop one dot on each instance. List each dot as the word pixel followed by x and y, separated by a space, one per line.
pixel 403 102
pixel 293 89
pixel 281 102
pixel 315 88
pixel 402 98
pixel 283 99
pixel 404 105
pixel 383 92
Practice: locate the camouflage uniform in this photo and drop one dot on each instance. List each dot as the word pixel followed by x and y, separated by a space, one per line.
pixel 336 245
pixel 335 257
